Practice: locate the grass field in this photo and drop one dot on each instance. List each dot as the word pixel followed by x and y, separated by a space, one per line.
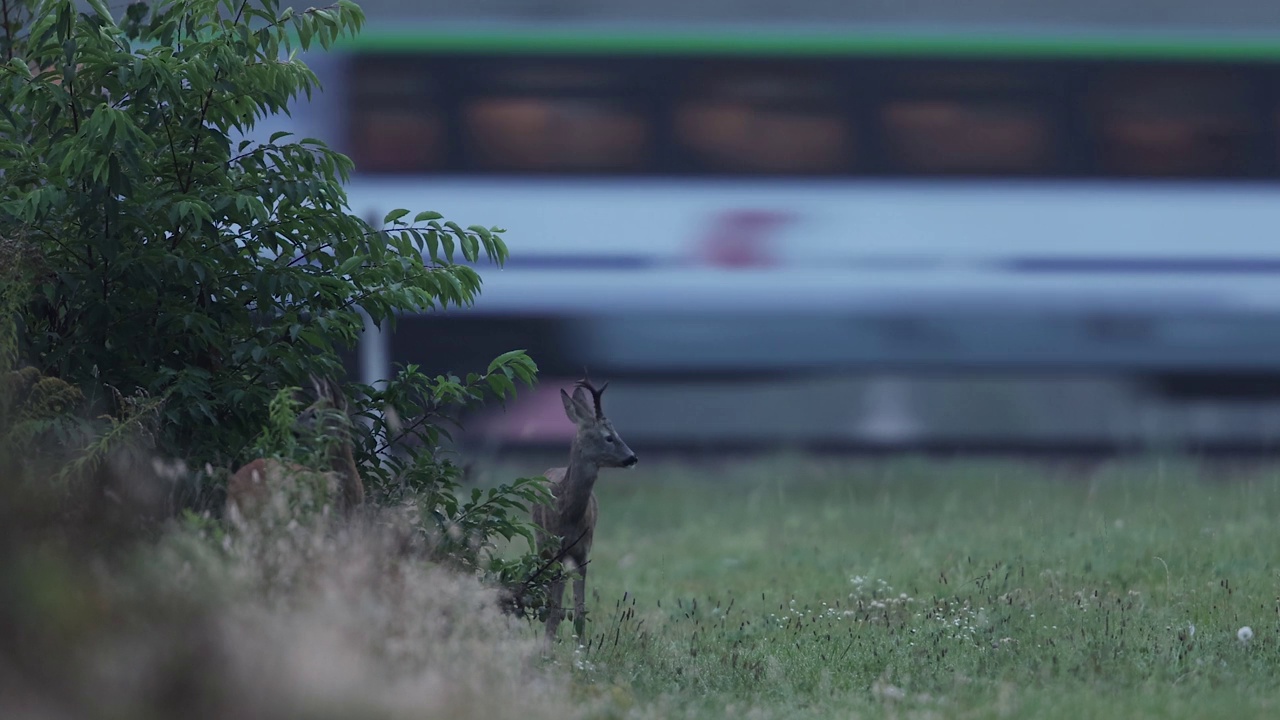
pixel 762 589
pixel 915 589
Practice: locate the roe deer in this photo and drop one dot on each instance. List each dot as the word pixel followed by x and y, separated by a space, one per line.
pixel 253 484
pixel 573 516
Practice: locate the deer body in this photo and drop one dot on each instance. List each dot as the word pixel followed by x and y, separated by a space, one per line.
pixel 251 487
pixel 573 516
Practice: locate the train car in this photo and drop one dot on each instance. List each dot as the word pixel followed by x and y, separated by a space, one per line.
pixel 713 205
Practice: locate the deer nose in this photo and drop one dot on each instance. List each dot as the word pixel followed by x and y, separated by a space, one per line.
pixel 630 461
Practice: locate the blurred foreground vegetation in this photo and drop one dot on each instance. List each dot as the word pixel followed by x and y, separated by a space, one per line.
pixel 103 616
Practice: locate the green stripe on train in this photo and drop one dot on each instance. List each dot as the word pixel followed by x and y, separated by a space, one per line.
pixel 825 45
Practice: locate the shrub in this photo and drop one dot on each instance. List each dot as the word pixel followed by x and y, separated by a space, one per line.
pixel 176 272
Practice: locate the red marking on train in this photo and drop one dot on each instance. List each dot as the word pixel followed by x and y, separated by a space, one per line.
pixel 743 239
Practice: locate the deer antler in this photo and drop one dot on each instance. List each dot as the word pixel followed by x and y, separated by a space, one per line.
pixel 595 394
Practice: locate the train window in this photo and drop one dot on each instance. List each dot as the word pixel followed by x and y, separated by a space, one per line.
pixel 764 121
pixel 556 118
pixel 966 121
pixel 966 136
pixel 1173 123
pixel 1275 136
pixel 397 124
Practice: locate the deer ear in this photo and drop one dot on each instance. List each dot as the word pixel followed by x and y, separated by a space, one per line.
pixel 586 405
pixel 571 408
pixel 329 392
pixel 336 395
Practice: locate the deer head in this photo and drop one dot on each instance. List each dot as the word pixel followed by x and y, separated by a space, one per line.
pixel 596 442
pixel 328 411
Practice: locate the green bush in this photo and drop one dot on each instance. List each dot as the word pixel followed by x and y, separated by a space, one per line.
pixel 178 273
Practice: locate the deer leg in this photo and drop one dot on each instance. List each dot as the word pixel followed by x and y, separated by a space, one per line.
pixel 580 604
pixel 555 608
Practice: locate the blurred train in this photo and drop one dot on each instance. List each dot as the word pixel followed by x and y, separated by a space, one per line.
pixel 718 207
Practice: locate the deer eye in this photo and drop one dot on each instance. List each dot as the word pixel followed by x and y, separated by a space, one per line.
pixel 608 438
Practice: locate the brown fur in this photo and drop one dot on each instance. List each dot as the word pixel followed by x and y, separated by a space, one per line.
pixel 251 485
pixel 573 517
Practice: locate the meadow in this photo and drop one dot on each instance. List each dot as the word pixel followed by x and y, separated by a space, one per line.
pixel 769 588
pixel 802 588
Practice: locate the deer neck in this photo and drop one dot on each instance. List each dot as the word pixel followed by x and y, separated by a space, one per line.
pixel 343 462
pixel 575 490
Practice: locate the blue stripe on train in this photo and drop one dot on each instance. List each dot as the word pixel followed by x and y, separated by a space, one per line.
pixel 1042 264
pixel 1189 265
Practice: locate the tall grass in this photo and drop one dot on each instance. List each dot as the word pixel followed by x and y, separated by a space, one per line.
pixel 301 620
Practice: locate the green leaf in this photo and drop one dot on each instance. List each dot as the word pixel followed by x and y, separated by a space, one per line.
pixel 349 264
pixel 504 359
pixel 470 247
pixel 394 215
pixel 103 13
pixel 501 385
pixel 433 245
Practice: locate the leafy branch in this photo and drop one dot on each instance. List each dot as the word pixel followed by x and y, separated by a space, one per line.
pixel 190 274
